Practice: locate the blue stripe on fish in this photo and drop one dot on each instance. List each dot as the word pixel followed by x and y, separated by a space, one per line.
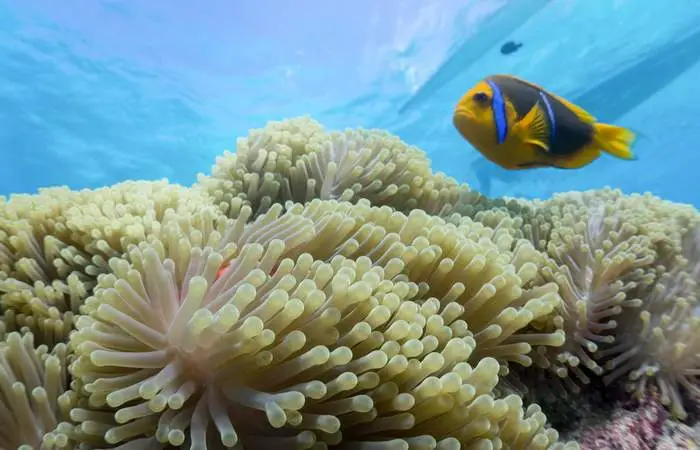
pixel 498 105
pixel 550 114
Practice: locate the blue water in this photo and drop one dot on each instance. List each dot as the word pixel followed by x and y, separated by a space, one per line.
pixel 102 91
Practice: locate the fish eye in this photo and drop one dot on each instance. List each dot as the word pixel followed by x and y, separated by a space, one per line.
pixel 481 98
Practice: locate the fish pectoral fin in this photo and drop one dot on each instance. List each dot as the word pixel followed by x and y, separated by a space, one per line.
pixel 534 128
pixel 538 143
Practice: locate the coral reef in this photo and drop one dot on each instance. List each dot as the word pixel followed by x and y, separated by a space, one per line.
pixel 635 429
pixel 327 289
pixel 642 424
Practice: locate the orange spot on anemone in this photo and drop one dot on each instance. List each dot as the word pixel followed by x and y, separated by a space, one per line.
pixel 221 270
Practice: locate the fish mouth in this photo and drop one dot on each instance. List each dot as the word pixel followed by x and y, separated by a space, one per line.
pixel 463 120
pixel 464 114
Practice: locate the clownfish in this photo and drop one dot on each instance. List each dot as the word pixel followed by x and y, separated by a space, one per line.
pixel 227 264
pixel 519 125
pixel 222 270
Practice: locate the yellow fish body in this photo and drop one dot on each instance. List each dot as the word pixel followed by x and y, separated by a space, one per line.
pixel 519 125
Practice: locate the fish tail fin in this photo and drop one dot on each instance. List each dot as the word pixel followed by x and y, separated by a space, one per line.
pixel 615 140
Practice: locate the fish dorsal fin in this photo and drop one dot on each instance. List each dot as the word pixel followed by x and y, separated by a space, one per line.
pixel 581 113
pixel 534 128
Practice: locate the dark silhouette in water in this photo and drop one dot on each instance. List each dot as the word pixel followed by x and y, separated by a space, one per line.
pixel 496 28
pixel 510 47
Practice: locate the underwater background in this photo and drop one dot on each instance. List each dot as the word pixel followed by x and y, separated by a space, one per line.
pixel 102 91
pixel 268 234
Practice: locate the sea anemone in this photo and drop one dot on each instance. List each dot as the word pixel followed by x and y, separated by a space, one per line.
pixel 319 342
pixel 344 355
pixel 598 259
pixel 661 344
pixel 54 245
pixel 297 160
pixel 33 403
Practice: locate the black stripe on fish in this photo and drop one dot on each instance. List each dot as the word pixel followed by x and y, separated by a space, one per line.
pixel 570 133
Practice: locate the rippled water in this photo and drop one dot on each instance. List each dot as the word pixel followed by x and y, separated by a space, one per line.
pixel 110 90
